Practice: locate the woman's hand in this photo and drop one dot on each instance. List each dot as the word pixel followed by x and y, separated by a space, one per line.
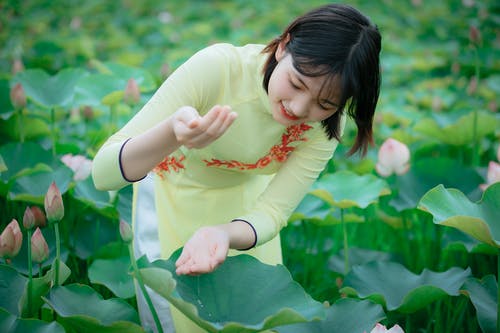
pixel 203 252
pixel 194 131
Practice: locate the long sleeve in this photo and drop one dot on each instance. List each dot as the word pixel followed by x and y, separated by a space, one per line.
pixel 193 84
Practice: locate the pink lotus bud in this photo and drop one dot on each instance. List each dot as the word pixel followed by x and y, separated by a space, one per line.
pixel 492 176
pixel 474 35
pixel 28 218
pixel 17 96
pixel 379 328
pixel 132 93
pixel 17 66
pixel 88 113
pixel 54 208
pixel 11 240
pixel 39 247
pixel 125 231
pixel 393 157
pixel 40 220
pixel 81 166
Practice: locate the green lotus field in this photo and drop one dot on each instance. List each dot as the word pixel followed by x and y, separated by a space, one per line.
pixel 408 235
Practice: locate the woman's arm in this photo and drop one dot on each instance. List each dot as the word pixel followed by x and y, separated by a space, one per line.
pixel 185 127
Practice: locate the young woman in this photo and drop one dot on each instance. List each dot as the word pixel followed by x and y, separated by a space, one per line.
pixel 233 139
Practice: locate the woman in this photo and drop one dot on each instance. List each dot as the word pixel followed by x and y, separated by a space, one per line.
pixel 233 139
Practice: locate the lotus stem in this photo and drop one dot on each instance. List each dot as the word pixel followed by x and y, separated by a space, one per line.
pixel 143 288
pixel 346 245
pixel 53 130
pixel 20 126
pixel 30 275
pixel 58 253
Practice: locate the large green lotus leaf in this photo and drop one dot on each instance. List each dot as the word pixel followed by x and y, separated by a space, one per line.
pixel 33 128
pixel 392 285
pixel 114 274
pixel 357 256
pixel 345 189
pixel 12 286
pixel 50 91
pixel 41 286
pixel 314 210
pixel 91 232
pixel 86 192
pixel 124 203
pixel 82 309
pixel 452 208
pixel 242 295
pixel 347 315
pixel 484 296
pixel 445 128
pixel 32 187
pixel 91 89
pixel 12 324
pixel 421 178
pixel 455 240
pixel 20 156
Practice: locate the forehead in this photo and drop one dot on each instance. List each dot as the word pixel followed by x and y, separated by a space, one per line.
pixel 325 85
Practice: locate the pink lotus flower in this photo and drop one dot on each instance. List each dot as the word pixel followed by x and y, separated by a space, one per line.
pixel 28 218
pixel 492 176
pixel 40 220
pixel 54 208
pixel 39 247
pixel 17 96
pixel 125 231
pixel 81 166
pixel 132 94
pixel 393 157
pixel 11 240
pixel 379 328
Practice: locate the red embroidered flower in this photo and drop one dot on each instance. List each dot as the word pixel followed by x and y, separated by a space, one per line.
pixel 168 164
pixel 277 153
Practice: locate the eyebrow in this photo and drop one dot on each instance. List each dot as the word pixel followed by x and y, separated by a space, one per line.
pixel 297 76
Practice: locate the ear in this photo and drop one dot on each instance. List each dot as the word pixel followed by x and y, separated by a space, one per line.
pixel 281 49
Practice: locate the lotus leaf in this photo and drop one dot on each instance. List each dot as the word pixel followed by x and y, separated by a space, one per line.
pixel 12 324
pixel 347 315
pixel 392 285
pixel 250 296
pixel 114 274
pixel 452 208
pixel 484 295
pixel 97 314
pixel 345 189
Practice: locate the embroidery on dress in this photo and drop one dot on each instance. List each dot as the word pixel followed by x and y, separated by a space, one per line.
pixel 169 163
pixel 277 152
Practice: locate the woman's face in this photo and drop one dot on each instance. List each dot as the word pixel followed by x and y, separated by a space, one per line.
pixel 294 97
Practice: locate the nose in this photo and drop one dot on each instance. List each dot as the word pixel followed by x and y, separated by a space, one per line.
pixel 300 105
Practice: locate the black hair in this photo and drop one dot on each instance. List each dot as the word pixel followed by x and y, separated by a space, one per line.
pixel 338 41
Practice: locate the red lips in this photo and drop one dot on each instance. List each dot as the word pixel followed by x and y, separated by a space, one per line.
pixel 286 114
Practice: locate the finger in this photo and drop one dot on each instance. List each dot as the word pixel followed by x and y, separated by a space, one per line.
pixel 187 114
pixel 210 117
pixel 183 258
pixel 214 129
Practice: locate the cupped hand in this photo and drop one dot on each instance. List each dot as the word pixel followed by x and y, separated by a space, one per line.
pixel 203 252
pixel 195 131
